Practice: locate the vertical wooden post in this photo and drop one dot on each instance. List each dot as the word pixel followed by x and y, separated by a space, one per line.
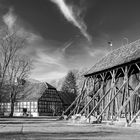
pixel 126 93
pixel 93 101
pixel 110 108
pixel 111 101
pixel 102 91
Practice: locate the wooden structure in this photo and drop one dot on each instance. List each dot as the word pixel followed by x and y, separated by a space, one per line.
pixel 111 89
pixel 35 99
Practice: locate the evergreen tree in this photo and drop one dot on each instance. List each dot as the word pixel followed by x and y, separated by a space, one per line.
pixel 69 84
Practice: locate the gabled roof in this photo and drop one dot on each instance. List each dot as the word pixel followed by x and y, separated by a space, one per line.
pixel 33 91
pixel 117 57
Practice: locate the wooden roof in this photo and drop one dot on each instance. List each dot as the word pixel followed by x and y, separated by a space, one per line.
pixel 33 91
pixel 116 58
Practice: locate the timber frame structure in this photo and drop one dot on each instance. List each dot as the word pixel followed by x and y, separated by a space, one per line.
pixel 111 88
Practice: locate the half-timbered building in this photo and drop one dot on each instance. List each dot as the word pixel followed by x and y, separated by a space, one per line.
pixel 36 99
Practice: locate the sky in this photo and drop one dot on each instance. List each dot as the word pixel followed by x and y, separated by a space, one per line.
pixel 71 34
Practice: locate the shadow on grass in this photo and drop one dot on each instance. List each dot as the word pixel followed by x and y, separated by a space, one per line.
pixel 40 135
pixel 25 122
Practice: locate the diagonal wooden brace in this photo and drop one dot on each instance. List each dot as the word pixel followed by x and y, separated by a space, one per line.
pixel 111 100
pixel 98 102
pixel 127 101
pixel 134 118
pixel 77 105
pixel 76 98
pixel 90 100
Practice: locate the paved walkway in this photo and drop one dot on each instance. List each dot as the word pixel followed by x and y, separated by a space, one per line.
pixel 46 129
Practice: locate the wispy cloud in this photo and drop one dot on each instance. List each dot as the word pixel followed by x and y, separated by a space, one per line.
pixel 67 45
pixel 9 19
pixel 46 66
pixel 73 17
pixel 48 59
pixel 49 76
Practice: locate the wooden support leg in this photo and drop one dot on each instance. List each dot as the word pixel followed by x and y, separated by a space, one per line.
pixel 98 103
pixel 90 101
pixel 127 101
pixel 136 115
pixel 83 88
pixel 111 101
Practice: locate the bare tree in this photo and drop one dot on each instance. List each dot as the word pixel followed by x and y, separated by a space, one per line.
pixel 18 69
pixel 10 44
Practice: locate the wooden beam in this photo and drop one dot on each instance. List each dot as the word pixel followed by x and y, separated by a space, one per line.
pixel 76 97
pixel 126 91
pixel 99 102
pixel 137 66
pixel 127 101
pixel 134 118
pixel 76 109
pixel 111 100
pixel 111 93
pixel 91 100
pixel 77 106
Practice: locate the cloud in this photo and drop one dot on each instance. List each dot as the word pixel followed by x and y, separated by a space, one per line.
pixel 48 65
pixel 47 59
pixel 49 76
pixel 51 59
pixel 10 19
pixel 67 45
pixel 72 16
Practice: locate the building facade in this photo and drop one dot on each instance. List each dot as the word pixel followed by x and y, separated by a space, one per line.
pixel 36 99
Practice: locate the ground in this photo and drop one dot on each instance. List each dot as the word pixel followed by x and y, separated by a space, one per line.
pixel 45 128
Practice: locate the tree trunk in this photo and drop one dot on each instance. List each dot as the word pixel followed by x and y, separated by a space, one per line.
pixel 13 95
pixel 12 109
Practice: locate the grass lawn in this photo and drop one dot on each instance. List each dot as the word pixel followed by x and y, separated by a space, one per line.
pixel 47 128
